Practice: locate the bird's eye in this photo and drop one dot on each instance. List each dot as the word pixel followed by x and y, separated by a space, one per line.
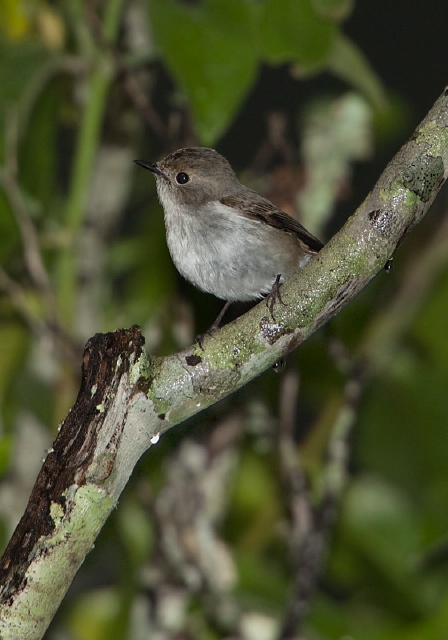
pixel 182 178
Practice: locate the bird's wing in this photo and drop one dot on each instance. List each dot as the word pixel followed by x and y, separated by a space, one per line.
pixel 262 210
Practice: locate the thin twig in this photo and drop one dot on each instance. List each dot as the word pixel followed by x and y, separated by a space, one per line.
pixel 130 83
pixel 304 544
pixel 34 262
pixel 39 328
pixel 31 250
pixel 17 298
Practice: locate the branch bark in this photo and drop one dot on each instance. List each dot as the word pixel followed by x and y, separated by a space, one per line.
pixel 127 398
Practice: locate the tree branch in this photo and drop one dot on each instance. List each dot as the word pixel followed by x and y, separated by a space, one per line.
pixel 128 399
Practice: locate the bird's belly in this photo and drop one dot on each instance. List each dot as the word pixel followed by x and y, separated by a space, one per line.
pixel 232 261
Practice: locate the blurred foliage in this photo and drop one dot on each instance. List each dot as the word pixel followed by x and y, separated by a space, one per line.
pixel 232 38
pixel 201 545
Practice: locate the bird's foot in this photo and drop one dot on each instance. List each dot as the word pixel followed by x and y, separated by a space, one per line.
pixel 201 336
pixel 214 327
pixel 274 296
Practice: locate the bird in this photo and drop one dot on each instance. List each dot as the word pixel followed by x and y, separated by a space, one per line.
pixel 223 237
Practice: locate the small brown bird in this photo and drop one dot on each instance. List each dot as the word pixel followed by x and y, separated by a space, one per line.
pixel 223 237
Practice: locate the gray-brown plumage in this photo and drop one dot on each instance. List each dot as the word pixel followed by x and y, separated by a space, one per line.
pixel 223 237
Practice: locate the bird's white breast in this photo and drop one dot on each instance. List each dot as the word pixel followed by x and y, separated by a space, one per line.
pixel 223 253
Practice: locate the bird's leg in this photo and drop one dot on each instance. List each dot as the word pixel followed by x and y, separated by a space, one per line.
pixel 274 296
pixel 215 325
pixel 221 314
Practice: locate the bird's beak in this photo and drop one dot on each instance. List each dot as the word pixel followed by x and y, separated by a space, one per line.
pixel 152 166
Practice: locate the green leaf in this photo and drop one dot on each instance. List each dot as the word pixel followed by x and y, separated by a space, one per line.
pixel 293 31
pixel 432 627
pixel 94 615
pixel 260 578
pixel 383 529
pixel 38 171
pixel 210 50
pixel 136 532
pixel 336 133
pixel 19 64
pixel 14 343
pixel 350 64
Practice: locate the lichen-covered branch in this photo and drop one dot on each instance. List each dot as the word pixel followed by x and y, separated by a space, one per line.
pixel 128 399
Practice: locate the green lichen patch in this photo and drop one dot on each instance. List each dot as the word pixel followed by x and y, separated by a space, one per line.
pixel 141 369
pixel 161 405
pixel 434 136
